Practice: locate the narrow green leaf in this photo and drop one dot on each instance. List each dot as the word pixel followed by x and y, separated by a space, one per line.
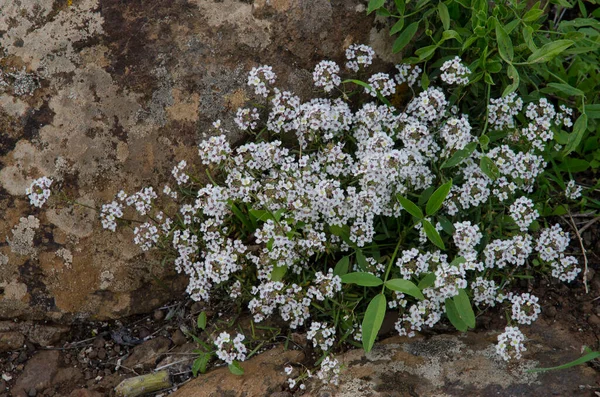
pixel 410 207
pixel 460 155
pixel 464 308
pixel 235 368
pixel 342 266
pixel 444 15
pixel 433 234
pixel 427 281
pixel 567 89
pixel 453 316
pixel 489 168
pixel 201 322
pixel 244 219
pixel 400 6
pixel 549 51
pixel 372 321
pixel 581 360
pixel 505 47
pixel 361 260
pixel 437 198
pixel 405 37
pixel 397 27
pixel 528 38
pixel 362 278
pixel 484 141
pixel 576 136
pixel 405 286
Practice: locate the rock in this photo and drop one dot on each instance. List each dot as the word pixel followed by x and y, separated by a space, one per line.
pixel 549 311
pixel 146 355
pixel 159 315
pixel 44 335
pixel 11 341
pixel 463 365
pixel 263 375
pixel 116 105
pixel 594 321
pixel 178 338
pixel 38 372
pixel 84 393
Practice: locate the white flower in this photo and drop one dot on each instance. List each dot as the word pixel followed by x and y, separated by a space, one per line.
pixel 359 56
pixel 510 344
pixel 259 77
pixel 230 350
pixel 525 308
pixel 523 212
pixel 455 72
pixel 326 75
pixel 573 191
pixel 39 191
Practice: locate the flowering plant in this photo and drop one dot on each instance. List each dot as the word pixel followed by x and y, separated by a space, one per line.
pixel 417 209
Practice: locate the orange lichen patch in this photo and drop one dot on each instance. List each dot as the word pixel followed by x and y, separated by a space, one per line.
pixel 185 106
pixel 237 99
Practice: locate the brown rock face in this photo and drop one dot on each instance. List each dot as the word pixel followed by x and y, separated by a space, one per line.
pixel 104 95
pixel 263 375
pixel 38 373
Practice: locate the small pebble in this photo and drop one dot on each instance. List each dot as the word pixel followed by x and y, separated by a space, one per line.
pixel 159 315
pixel 550 312
pixel 32 392
pixel 99 342
pixel 178 338
pixel 102 354
pixel 594 321
pixel 144 332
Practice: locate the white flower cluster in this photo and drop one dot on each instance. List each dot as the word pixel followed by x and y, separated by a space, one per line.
pixel 409 74
pixel 522 211
pixel 359 56
pixel 502 111
pixel 321 335
pixel 525 308
pixel 230 350
pixel 39 191
pixel 551 245
pixel 275 216
pixel 109 215
pixel 454 72
pixel 382 83
pixel 573 191
pixel 510 343
pixel 326 75
pixel 178 173
pixel 260 77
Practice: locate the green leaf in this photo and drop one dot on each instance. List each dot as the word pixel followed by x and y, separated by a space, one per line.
pixel 405 37
pixel 464 308
pixel 528 38
pixel 362 278
pixel 514 76
pixel 574 165
pixel 433 234
pixel 410 207
pixel 397 27
pixel 261 215
pixel 342 266
pixel 460 155
pixel 505 47
pixel 451 34
pixel 400 6
pixel 581 360
pixel 424 80
pixel 361 260
pixel 576 136
pixel 549 51
pixel 244 219
pixel 427 281
pixel 459 260
pixel 533 15
pixel 453 316
pixel 405 286
pixel 374 5
pixel 484 141
pixel 372 321
pixel 278 273
pixel 566 88
pixel 437 198
pixel 489 168
pixel 200 364
pixel 235 368
pixel 201 322
pixel 425 52
pixel 444 15
pixel 592 111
